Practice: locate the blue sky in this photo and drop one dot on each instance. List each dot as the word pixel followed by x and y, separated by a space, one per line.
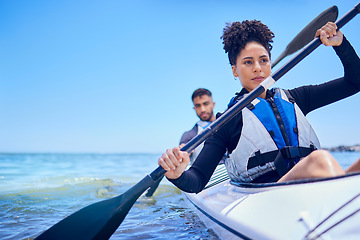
pixel 117 76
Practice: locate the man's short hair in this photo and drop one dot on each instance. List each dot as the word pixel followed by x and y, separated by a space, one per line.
pixel 200 92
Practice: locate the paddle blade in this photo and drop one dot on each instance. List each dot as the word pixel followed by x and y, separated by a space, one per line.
pixel 308 33
pixel 153 187
pixel 99 220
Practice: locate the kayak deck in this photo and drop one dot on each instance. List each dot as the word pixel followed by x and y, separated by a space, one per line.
pixel 306 209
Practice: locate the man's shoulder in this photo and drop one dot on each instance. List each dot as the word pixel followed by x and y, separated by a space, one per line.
pixel 188 135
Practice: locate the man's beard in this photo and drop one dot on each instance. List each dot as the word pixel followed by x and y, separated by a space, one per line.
pixel 207 119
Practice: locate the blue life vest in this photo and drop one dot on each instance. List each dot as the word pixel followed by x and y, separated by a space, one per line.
pixel 274 137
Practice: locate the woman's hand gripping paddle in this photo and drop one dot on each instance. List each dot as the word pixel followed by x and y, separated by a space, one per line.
pixel 307 34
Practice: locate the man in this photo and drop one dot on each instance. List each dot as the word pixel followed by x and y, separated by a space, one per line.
pixel 203 106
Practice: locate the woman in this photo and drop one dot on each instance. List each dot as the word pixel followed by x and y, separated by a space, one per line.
pixel 271 139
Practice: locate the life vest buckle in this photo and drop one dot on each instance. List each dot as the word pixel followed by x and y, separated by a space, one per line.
pixel 290 152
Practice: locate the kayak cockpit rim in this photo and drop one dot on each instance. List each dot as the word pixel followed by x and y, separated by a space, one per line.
pixel 294 182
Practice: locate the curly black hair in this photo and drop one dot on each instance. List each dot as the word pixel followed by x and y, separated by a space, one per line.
pixel 236 35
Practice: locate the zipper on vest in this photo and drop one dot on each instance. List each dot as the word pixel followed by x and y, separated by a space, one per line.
pixel 279 120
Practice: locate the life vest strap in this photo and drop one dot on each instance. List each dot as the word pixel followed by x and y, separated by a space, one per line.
pixel 279 157
pixel 296 152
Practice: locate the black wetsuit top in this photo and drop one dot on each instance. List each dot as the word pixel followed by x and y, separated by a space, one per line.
pixel 308 98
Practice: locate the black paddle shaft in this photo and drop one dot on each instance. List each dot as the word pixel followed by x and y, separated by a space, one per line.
pixel 230 113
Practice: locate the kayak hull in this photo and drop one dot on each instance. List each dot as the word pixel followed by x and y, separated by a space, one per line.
pixel 308 209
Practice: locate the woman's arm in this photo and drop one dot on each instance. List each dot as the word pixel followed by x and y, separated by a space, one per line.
pixel 315 96
pixel 198 175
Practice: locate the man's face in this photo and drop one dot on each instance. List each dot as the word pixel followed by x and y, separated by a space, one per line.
pixel 204 106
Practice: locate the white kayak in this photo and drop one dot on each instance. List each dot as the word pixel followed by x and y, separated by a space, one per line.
pixel 307 209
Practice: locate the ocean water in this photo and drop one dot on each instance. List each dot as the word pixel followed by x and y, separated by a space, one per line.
pixel 39 190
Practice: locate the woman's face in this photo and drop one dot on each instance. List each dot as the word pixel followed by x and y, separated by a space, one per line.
pixel 252 65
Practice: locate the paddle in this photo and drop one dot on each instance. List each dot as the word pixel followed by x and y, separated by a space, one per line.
pixel 300 40
pixel 100 220
pixel 308 33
